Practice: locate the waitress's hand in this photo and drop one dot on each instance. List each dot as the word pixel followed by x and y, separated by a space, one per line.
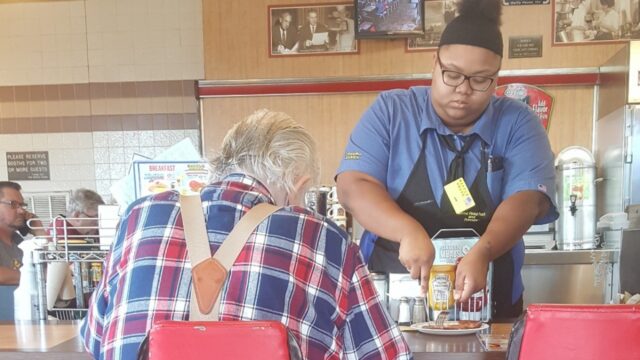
pixel 471 274
pixel 416 254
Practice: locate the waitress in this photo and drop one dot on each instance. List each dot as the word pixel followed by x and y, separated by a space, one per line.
pixel 411 143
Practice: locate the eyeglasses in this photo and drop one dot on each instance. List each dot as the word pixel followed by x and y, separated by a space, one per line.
pixel 15 204
pixel 455 78
pixel 89 216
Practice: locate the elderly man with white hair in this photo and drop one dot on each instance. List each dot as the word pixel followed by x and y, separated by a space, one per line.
pixel 81 219
pixel 297 267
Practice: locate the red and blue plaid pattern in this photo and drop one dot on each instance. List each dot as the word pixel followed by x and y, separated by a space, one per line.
pixel 298 268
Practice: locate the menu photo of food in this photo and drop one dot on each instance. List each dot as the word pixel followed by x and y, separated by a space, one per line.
pixel 153 177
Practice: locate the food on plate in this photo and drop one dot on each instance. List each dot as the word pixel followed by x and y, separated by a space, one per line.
pixel 195 185
pixel 157 186
pixel 453 325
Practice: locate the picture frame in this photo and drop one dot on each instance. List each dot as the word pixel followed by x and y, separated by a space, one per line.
pixel 437 14
pixel 312 29
pixel 389 19
pixel 595 21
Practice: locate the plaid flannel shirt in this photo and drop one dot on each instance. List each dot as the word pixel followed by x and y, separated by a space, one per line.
pixel 297 268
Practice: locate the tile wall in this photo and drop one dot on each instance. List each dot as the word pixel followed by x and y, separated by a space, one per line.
pixel 92 160
pixel 67 42
pixel 43 42
pixel 113 151
pixel 71 159
pixel 92 130
pixel 92 81
pixel 144 105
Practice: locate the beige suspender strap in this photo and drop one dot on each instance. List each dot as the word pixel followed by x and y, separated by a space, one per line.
pixel 209 275
pixel 195 231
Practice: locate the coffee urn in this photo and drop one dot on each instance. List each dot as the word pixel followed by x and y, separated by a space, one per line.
pixel 576 198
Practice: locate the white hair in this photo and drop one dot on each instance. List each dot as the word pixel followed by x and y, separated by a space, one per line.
pixel 82 200
pixel 270 146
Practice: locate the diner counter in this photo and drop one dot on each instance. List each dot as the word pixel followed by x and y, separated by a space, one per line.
pixel 60 340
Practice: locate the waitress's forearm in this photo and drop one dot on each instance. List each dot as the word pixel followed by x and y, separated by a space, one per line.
pixel 511 220
pixel 370 204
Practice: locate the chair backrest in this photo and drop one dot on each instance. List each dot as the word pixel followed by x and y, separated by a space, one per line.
pixel 581 332
pixel 7 304
pixel 222 340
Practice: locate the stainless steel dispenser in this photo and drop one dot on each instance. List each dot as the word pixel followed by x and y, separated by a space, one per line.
pixel 575 182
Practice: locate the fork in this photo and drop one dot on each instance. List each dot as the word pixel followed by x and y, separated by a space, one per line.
pixel 442 316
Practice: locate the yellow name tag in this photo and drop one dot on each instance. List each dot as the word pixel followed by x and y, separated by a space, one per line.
pixel 459 195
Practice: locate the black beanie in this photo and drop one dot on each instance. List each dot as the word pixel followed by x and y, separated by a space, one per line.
pixel 478 25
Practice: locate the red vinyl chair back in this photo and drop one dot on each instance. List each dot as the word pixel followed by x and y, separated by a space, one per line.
pixel 222 340
pixel 581 332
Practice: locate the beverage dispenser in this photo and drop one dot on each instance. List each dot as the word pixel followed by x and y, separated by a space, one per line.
pixel 576 198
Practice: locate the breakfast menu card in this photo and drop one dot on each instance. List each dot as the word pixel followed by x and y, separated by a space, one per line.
pixel 152 177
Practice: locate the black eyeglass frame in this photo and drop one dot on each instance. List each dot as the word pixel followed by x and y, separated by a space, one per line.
pixel 466 77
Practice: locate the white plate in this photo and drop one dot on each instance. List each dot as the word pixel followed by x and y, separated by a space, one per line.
pixel 420 327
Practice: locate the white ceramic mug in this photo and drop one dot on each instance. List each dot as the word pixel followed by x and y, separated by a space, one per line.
pixel 336 211
pixel 332 197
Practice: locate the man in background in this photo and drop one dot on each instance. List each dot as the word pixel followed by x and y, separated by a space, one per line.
pixel 284 38
pixel 297 267
pixel 635 21
pixel 346 39
pixel 13 218
pixel 311 27
pixel 79 223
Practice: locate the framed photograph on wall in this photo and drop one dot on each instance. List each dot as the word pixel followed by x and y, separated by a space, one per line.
pixel 312 29
pixel 594 21
pixel 388 19
pixel 437 15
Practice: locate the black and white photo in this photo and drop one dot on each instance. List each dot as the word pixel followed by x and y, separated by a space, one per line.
pixel 306 30
pixel 578 21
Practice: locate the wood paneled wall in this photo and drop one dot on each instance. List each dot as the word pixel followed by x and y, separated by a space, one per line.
pixel 330 119
pixel 237 47
pixel 236 37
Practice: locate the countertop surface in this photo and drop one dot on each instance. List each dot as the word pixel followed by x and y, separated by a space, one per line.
pixel 60 340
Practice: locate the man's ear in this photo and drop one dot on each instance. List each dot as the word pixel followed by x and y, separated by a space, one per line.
pixel 297 196
pixel 301 183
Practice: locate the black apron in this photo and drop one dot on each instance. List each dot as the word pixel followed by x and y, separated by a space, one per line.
pixel 417 200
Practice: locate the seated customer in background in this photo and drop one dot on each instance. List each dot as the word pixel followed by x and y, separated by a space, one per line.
pixel 81 217
pixel 13 219
pixel 80 222
pixel 298 267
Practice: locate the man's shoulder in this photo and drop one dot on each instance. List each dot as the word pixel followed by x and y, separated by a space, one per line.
pixel 402 104
pixel 314 224
pixel 413 92
pixel 512 113
pixel 507 103
pixel 153 201
pixel 301 213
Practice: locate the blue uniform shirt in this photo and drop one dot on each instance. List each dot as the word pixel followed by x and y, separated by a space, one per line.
pixel 385 144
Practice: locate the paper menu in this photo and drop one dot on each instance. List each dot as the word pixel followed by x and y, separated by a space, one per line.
pixel 152 177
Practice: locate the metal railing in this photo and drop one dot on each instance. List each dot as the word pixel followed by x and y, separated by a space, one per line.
pixel 84 253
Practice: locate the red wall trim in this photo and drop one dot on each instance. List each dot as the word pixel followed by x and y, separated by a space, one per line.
pixel 283 88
